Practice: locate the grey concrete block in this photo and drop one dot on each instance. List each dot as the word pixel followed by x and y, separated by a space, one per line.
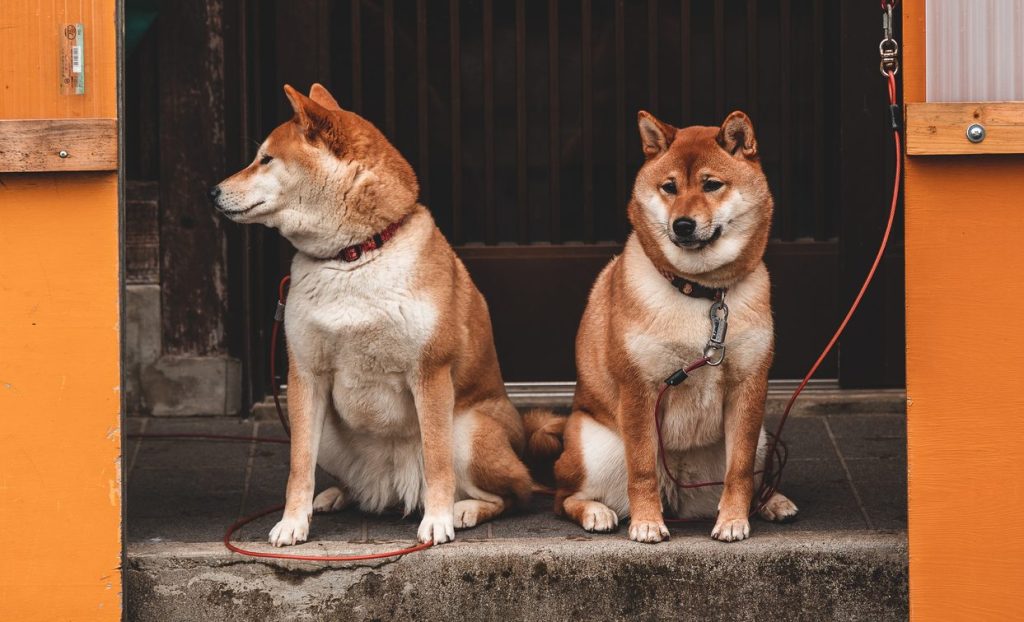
pixel 142 341
pixel 193 385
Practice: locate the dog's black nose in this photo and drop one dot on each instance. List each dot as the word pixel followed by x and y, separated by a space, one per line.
pixel 214 193
pixel 684 227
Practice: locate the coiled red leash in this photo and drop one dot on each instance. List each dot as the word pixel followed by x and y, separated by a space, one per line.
pixel 282 298
pixel 306 558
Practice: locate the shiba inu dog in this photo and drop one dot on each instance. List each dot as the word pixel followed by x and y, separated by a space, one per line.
pixel 393 381
pixel 701 210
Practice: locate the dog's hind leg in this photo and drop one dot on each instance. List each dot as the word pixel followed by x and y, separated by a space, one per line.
pixel 491 477
pixel 472 512
pixel 589 514
pixel 331 499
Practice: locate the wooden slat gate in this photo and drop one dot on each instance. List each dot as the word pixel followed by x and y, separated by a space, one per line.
pixel 519 118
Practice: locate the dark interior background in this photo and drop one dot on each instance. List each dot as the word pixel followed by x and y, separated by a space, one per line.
pixel 519 118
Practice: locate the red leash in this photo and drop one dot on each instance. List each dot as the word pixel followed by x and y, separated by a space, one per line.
pixel 275 388
pixel 307 558
pixel 282 297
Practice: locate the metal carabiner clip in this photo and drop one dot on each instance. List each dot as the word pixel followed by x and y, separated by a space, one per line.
pixel 719 328
pixel 709 354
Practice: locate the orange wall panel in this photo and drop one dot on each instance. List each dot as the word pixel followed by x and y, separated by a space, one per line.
pixel 60 437
pixel 965 364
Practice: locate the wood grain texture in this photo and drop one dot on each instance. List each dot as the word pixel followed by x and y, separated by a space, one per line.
pixel 193 263
pixel 60 445
pixel 142 233
pixel 941 128
pixel 34 145
pixel 965 357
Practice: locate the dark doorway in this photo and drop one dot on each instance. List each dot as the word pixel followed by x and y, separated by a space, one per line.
pixel 519 118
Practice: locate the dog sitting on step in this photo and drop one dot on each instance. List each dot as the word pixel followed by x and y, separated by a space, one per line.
pixel 393 381
pixel 701 210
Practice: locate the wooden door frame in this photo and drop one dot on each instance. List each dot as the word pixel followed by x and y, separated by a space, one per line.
pixel 61 264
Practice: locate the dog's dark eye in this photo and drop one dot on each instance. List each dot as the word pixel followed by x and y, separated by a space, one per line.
pixel 266 159
pixel 711 185
pixel 669 187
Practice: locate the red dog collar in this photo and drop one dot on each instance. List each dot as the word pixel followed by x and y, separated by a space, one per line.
pixel 354 252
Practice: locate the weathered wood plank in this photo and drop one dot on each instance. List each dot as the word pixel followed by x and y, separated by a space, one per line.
pixel 142 233
pixel 941 128
pixel 193 245
pixel 36 145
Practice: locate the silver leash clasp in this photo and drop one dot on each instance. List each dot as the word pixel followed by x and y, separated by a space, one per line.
pixel 888 48
pixel 714 351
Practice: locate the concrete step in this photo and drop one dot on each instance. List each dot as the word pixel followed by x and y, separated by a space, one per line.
pixel 787 576
pixel 845 558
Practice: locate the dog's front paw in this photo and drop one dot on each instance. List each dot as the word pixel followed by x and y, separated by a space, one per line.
pixel 731 530
pixel 437 528
pixel 648 531
pixel 290 531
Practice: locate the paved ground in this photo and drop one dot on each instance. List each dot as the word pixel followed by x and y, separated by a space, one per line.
pixel 846 472
pixel 844 559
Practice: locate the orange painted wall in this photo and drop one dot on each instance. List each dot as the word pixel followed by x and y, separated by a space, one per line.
pixel 60 440
pixel 965 373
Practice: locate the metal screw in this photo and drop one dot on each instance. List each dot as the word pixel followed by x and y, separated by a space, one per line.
pixel 976 132
pixel 63 153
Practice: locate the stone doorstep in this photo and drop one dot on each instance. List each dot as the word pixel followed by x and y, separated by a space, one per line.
pixel 845 558
pixel 793 575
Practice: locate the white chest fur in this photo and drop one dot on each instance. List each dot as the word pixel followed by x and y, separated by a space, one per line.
pixel 360 329
pixel 676 334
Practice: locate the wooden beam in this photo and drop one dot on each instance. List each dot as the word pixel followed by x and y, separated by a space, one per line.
pixel 57 145
pixel 941 128
pixel 193 242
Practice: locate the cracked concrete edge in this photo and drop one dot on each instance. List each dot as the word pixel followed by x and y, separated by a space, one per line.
pixel 794 576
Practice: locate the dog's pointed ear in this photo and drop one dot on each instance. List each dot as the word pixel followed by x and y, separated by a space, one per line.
pixel 322 96
pixel 655 135
pixel 737 136
pixel 310 116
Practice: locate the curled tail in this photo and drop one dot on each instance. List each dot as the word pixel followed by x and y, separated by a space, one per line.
pixel 543 434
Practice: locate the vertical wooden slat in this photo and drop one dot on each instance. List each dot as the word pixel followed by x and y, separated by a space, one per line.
pixel 456 120
pixel 685 63
pixel 753 66
pixel 652 55
pixel 554 143
pixel 193 275
pixel 422 100
pixel 720 73
pixel 587 131
pixel 786 121
pixel 818 82
pixel 490 203
pixel 522 200
pixel 389 68
pixel 357 57
pixel 620 110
